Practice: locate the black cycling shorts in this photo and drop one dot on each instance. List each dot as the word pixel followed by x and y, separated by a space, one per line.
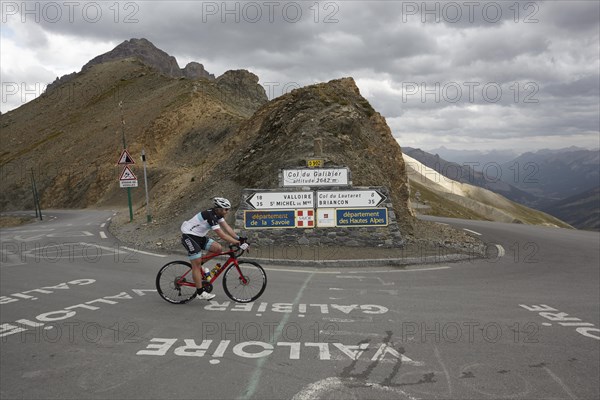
pixel 195 245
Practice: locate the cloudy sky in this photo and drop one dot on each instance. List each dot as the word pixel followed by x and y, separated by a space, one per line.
pixel 470 75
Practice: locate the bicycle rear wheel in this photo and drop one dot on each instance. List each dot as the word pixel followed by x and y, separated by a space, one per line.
pixel 246 287
pixel 168 282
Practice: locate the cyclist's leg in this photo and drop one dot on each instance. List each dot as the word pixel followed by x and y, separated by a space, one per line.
pixel 197 272
pixel 213 248
pixel 194 246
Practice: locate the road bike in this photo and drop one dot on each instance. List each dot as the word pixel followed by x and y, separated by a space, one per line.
pixel 243 281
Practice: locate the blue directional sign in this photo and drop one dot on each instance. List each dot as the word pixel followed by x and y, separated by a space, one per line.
pixel 361 217
pixel 262 219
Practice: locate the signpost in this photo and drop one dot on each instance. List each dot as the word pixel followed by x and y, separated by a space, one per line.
pixel 256 219
pixel 126 159
pixel 305 218
pixel 349 198
pixel 315 163
pixel 316 177
pixel 321 205
pixel 128 178
pixel 361 217
pixel 148 215
pixel 320 208
pixel 281 200
pixel 326 217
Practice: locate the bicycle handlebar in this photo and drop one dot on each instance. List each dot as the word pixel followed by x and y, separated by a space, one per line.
pixel 235 248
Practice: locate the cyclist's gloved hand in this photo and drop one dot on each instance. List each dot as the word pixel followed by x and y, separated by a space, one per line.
pixel 244 246
pixel 243 239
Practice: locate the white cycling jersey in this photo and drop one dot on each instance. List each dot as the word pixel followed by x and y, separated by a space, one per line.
pixel 202 223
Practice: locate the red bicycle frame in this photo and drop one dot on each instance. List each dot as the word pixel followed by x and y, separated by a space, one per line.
pixel 231 260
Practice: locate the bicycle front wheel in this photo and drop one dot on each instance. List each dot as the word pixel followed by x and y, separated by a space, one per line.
pixel 171 286
pixel 246 284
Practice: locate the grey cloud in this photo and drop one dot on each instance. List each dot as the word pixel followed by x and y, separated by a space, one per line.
pixel 551 46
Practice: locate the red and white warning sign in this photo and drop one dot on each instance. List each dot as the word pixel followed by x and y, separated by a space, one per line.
pixel 125 158
pixel 305 218
pixel 128 178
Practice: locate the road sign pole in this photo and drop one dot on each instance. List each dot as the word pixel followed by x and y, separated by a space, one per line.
pixel 129 202
pixel 125 148
pixel 36 197
pixel 148 215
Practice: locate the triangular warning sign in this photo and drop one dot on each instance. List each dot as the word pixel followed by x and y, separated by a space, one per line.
pixel 125 158
pixel 127 175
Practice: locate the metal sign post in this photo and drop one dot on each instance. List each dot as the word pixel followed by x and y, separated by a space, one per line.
pixel 126 161
pixel 148 215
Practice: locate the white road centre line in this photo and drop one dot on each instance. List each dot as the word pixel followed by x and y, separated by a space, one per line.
pixel 103 235
pixel 103 225
pixel 255 378
pixel 560 383
pixel 143 252
pixel 309 271
pixel 473 232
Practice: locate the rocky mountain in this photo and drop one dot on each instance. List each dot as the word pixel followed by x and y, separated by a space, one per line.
pixel 71 136
pixel 435 194
pixel 281 134
pixel 144 51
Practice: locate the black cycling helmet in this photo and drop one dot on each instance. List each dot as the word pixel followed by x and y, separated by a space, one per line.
pixel 221 202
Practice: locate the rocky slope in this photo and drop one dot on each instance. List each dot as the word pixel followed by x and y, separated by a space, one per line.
pixel 71 137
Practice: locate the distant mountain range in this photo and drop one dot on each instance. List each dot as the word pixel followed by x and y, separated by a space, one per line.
pixel 435 194
pixel 581 210
pixel 563 183
pixel 554 174
pixel 473 157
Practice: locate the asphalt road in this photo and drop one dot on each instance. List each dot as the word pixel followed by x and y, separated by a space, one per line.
pixel 81 320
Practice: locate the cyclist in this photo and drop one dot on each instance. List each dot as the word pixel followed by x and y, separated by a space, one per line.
pixel 194 239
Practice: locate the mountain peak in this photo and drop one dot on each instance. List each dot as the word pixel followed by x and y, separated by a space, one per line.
pixel 149 54
pixel 145 51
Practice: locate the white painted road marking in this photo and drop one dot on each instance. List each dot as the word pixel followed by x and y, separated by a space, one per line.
pixel 261 350
pixel 143 252
pixel 501 251
pixel 362 271
pixel 473 232
pixel 552 314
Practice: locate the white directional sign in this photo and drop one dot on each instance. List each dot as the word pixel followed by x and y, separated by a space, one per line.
pixel 349 198
pixel 316 177
pixel 281 200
